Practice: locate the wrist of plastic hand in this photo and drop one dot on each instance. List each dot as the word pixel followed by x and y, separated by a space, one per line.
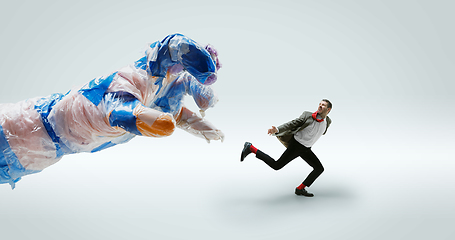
pixel 213 135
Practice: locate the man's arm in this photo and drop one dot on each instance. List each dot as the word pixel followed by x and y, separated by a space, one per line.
pixel 294 124
pixel 329 121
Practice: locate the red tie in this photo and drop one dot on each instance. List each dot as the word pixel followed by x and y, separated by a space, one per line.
pixel 314 115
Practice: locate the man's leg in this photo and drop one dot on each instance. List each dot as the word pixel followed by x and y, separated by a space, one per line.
pixel 314 162
pixel 288 155
pixel 293 151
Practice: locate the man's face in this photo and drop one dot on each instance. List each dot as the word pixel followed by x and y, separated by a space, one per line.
pixel 323 109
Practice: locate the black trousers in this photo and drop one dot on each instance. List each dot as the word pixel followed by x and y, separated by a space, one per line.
pixel 294 150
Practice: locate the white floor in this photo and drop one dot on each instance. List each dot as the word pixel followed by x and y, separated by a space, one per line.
pixel 202 191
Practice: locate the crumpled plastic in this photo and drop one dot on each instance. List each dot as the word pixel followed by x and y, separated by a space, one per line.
pixel 145 98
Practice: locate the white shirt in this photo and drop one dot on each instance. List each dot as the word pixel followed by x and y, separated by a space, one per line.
pixel 309 135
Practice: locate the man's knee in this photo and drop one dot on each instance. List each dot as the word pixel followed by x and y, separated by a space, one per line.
pixel 277 167
pixel 318 169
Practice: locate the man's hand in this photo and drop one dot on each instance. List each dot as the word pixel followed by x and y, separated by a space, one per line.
pixel 272 130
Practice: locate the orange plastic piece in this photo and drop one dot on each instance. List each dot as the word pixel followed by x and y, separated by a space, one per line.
pixel 163 126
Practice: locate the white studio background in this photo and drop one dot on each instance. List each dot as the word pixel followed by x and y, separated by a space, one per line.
pixel 387 66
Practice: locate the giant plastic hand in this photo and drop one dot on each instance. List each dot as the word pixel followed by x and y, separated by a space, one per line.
pixel 144 99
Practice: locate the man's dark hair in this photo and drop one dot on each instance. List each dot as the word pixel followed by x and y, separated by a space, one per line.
pixel 329 104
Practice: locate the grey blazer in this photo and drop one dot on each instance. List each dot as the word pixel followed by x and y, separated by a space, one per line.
pixel 286 131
